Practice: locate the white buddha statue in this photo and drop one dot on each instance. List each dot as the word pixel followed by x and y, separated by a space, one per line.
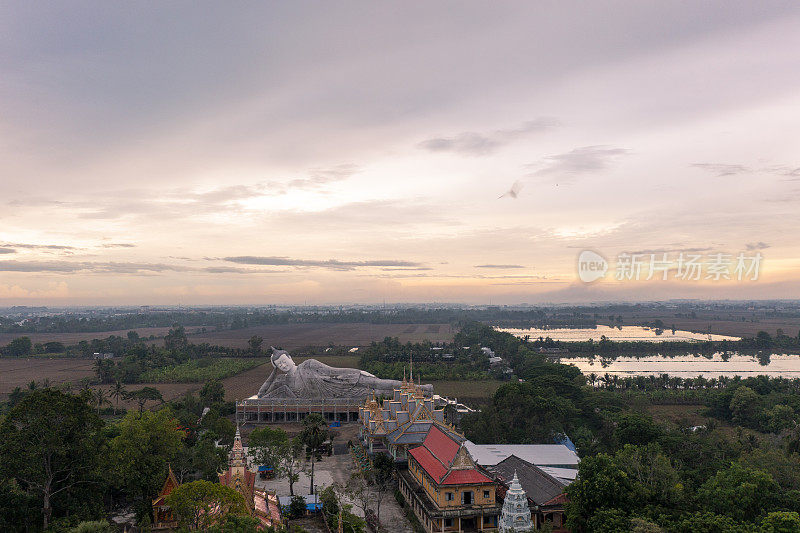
pixel 312 379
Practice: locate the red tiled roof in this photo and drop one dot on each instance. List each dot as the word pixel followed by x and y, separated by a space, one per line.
pixel 428 462
pixel 457 477
pixel 441 445
pixel 436 455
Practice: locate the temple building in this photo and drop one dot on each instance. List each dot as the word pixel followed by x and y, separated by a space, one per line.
pixel 162 514
pixel 395 424
pixel 516 515
pixel 238 476
pixel 446 489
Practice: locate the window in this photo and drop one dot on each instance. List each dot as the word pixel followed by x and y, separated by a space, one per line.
pixel 448 496
pixel 448 522
pixel 466 497
pixel 486 495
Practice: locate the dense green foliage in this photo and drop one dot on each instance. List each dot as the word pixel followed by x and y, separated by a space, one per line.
pixel 200 504
pixel 740 472
pixel 390 360
pixel 62 466
pixel 199 370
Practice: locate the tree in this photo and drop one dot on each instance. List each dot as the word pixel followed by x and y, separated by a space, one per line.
pixel 117 391
pixel 99 398
pixel 104 368
pixel 267 445
pixel 635 428
pixel 255 343
pixel 200 504
pixel 94 526
pixel 234 523
pixel 212 393
pixel 744 406
pixel 175 340
pixel 19 347
pixel 600 486
pixel 139 456
pixel 18 508
pixel 290 462
pixel 315 432
pixel 739 492
pixel 297 507
pixel 705 522
pixel 781 522
pixel 50 444
pixel 144 395
pixel 273 447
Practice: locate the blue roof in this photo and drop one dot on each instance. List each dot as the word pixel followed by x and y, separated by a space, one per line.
pixel 312 502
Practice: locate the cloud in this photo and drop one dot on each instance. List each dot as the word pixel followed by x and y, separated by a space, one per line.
pixel 182 202
pixel 478 144
pixel 333 264
pixel 669 251
pixel 30 246
pixel 721 169
pixel 119 245
pixel 582 160
pixel 751 246
pixel 500 266
pixel 7 251
pixel 86 266
pixel 726 169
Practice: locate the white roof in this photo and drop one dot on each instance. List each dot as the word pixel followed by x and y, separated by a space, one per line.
pixel 566 475
pixel 554 455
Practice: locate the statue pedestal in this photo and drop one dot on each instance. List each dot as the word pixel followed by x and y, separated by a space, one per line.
pixel 281 410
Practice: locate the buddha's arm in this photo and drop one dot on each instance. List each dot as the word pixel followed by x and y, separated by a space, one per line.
pixel 265 387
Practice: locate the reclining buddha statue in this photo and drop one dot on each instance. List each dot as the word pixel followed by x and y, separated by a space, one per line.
pixel 312 379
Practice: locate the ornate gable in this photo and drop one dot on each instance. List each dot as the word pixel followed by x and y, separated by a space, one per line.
pixel 463 460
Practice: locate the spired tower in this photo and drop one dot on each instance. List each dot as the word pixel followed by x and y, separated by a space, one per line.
pixel 238 476
pixel 516 515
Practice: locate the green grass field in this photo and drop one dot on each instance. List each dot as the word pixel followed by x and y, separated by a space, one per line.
pixel 467 389
pixel 200 370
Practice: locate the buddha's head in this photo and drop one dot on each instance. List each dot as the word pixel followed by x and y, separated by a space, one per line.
pixel 282 360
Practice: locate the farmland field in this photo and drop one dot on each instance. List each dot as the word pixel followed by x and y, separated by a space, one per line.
pixel 289 336
pixel 20 372
pixel 75 338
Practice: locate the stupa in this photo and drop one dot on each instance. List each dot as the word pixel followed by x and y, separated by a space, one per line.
pixel 516 515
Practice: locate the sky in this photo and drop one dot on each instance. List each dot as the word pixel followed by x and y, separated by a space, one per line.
pixel 360 152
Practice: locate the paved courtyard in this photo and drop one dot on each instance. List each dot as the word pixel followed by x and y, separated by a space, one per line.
pixel 338 468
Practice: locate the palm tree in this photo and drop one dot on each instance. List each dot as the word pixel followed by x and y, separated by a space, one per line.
pixel 117 391
pixel 315 432
pixel 99 398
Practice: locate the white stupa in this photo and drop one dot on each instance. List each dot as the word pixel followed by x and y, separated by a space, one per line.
pixel 516 515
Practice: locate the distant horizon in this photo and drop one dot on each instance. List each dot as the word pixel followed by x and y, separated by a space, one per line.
pixel 395 305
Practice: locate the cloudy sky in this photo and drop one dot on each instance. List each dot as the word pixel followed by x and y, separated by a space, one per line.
pixel 337 152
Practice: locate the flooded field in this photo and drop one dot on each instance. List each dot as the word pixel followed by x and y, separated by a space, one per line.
pixel 621 333
pixel 774 365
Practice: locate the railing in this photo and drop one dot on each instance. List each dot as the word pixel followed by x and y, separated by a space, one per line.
pixel 300 402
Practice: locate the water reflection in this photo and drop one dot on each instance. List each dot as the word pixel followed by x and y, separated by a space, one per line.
pixel 718 364
pixel 616 333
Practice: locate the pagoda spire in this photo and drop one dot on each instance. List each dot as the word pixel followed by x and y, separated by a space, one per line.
pixel 411 366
